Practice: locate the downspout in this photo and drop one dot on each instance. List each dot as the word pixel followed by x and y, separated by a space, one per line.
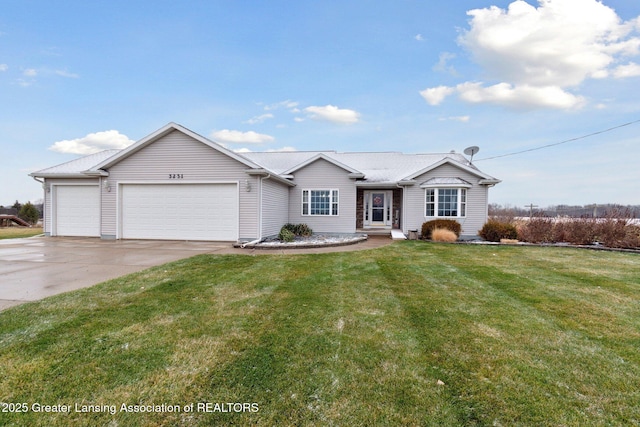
pixel 44 204
pixel 403 209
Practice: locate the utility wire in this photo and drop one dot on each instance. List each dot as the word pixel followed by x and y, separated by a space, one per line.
pixel 559 143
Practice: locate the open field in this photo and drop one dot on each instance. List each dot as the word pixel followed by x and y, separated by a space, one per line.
pixel 413 333
pixel 17 232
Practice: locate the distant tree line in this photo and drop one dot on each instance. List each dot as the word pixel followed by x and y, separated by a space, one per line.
pixel 569 211
pixel 28 211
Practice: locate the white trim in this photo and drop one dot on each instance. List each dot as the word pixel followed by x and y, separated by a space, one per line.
pixel 368 206
pixel 331 201
pixel 436 202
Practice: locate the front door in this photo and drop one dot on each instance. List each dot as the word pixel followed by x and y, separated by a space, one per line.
pixel 377 208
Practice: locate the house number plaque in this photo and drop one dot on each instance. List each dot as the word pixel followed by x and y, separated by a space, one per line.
pixel 176 176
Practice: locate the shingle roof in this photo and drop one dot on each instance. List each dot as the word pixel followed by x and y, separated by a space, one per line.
pixel 76 166
pixel 377 167
pixel 374 168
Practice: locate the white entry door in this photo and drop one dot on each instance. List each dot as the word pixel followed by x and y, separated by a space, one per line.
pixel 377 208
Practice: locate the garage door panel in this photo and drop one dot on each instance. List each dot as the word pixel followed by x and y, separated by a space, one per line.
pixel 77 210
pixel 180 211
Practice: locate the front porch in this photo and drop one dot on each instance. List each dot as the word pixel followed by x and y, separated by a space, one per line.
pixel 378 210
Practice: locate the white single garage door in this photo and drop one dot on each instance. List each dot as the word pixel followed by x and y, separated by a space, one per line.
pixel 77 210
pixel 180 211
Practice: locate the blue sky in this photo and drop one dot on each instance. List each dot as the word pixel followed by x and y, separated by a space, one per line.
pixel 413 76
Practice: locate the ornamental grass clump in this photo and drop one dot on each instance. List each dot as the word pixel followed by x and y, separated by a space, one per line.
pixel 443 235
pixel 447 224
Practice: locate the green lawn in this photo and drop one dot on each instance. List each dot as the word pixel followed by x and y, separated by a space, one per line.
pixel 410 334
pixel 16 232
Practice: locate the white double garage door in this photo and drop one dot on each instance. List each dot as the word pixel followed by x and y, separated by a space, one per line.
pixel 153 211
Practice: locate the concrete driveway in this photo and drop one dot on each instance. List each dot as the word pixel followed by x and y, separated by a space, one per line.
pixel 38 267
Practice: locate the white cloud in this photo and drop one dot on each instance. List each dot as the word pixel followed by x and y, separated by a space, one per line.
pixel 239 137
pixel 4 67
pixel 65 73
pixel 332 113
pixel 443 63
pixel 533 53
pixel 30 72
pixel 419 37
pixel 259 119
pixel 522 96
pixel 92 143
pixel 462 119
pixel 288 104
pixel 629 70
pixel 436 95
pixel 281 150
pixel 273 150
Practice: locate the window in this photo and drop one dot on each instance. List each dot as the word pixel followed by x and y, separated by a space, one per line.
pixel 320 202
pixel 446 202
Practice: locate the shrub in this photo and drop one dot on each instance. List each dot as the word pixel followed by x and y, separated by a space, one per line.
pixel 288 232
pixel 580 231
pixel 495 230
pixel 537 230
pixel 443 235
pixel 447 224
pixel 286 235
pixel 632 237
pixel 615 231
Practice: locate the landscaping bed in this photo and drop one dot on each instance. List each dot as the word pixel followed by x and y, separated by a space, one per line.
pixel 313 241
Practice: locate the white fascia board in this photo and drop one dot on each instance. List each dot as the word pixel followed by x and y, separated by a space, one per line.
pixel 93 173
pixel 269 175
pixel 60 175
pixel 490 182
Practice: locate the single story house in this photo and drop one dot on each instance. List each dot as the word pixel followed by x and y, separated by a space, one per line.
pixel 177 185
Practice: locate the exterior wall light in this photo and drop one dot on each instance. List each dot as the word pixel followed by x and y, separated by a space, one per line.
pixel 106 185
pixel 247 185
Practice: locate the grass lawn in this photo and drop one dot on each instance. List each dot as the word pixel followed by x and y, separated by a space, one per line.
pixel 410 334
pixel 16 232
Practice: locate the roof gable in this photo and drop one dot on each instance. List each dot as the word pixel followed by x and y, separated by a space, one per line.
pixel 165 130
pixel 447 160
pixel 321 156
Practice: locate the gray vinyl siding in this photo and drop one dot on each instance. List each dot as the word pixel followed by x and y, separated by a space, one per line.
pixel 275 204
pixel 177 153
pixel 48 205
pixel 414 199
pixel 323 175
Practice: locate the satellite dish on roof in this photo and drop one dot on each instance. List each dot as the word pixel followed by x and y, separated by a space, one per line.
pixel 471 151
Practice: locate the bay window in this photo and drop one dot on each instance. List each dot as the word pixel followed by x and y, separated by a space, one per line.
pixel 445 202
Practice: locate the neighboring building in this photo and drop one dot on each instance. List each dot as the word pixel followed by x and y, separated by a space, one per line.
pixel 177 185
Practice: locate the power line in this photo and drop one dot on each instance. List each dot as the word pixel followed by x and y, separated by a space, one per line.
pixel 561 142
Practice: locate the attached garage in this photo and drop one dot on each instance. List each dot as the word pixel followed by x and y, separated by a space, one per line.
pixel 184 211
pixel 77 210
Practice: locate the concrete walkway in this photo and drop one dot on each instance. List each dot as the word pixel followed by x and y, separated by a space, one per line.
pixel 38 267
